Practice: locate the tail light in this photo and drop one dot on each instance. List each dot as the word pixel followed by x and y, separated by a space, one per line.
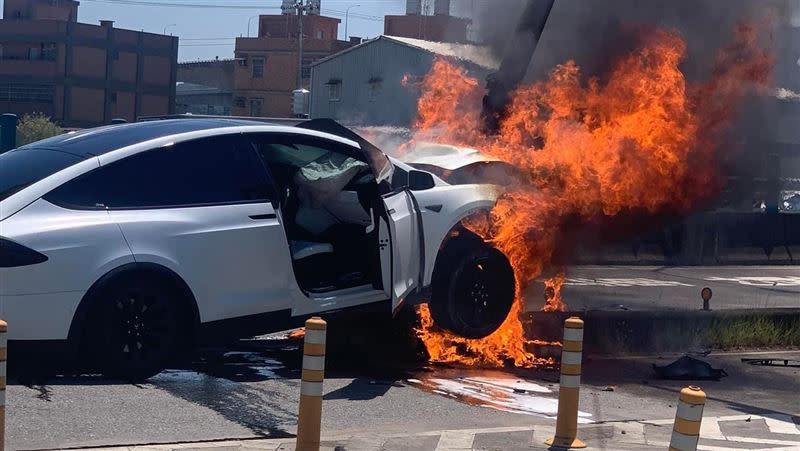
pixel 14 254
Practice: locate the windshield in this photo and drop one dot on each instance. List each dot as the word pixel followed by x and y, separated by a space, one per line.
pixel 23 167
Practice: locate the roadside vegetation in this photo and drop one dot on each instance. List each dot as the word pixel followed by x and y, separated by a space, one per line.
pixel 754 332
pixel 36 127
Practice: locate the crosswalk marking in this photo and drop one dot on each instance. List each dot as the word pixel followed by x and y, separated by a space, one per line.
pixel 455 440
pixel 780 424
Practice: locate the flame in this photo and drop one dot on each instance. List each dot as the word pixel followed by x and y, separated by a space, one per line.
pixel 553 302
pixel 641 140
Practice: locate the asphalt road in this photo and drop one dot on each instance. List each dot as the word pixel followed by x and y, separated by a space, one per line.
pixel 251 389
pixel 675 288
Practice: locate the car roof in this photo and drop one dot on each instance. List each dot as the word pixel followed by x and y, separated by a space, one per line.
pixel 101 140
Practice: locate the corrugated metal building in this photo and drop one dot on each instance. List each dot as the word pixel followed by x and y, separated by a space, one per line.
pixel 363 85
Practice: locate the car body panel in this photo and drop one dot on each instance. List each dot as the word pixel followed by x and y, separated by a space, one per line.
pixel 454 203
pixel 405 245
pixel 187 239
pixel 44 297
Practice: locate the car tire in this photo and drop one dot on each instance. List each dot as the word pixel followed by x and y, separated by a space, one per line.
pixel 474 291
pixel 134 327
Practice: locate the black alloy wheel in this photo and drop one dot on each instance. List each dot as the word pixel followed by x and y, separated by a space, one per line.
pixel 136 330
pixel 475 298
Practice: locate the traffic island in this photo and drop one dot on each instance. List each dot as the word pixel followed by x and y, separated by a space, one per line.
pixel 641 332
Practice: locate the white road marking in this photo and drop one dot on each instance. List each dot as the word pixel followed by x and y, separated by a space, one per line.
pixel 616 282
pixel 780 424
pixel 455 440
pixel 709 429
pixel 786 281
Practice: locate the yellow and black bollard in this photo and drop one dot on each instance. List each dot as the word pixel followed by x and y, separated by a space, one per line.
pixel 3 357
pixel 569 389
pixel 686 432
pixel 309 421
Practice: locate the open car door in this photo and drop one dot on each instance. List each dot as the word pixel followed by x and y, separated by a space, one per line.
pixel 405 248
pixel 399 233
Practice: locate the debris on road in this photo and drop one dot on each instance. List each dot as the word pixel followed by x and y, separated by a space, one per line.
pixel 688 368
pixel 793 363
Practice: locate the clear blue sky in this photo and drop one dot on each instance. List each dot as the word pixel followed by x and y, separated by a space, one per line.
pixel 218 26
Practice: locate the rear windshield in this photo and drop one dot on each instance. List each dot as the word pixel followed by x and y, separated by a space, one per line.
pixel 23 167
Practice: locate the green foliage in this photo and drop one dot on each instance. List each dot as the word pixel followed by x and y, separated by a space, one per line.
pixel 36 127
pixel 754 332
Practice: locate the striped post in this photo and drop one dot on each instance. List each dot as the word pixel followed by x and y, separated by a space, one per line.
pixel 309 421
pixel 3 356
pixel 569 389
pixel 686 432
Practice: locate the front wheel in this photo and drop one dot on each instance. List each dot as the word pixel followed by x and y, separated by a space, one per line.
pixel 474 292
pixel 134 328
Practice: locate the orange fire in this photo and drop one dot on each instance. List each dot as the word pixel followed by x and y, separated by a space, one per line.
pixel 553 302
pixel 640 141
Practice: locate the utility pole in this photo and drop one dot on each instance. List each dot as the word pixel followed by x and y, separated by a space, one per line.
pixel 301 9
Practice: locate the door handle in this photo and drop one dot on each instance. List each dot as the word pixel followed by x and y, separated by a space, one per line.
pixel 391 211
pixel 263 217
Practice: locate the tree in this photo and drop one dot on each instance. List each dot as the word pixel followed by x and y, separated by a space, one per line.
pixel 36 127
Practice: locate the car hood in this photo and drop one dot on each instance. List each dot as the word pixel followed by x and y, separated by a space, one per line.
pixel 445 156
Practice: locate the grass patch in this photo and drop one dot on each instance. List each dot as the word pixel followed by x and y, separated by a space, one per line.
pixel 756 331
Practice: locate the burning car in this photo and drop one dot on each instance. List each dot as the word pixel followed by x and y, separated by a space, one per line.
pixel 132 242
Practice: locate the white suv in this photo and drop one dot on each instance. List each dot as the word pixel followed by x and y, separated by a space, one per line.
pixel 131 242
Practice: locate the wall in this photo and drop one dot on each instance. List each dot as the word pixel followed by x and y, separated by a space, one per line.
pixel 280 72
pixel 218 74
pixel 96 73
pixel 429 28
pixel 372 92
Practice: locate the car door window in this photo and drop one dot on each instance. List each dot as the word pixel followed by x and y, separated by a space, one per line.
pixel 209 171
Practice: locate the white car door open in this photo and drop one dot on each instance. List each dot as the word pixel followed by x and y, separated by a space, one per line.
pixel 405 246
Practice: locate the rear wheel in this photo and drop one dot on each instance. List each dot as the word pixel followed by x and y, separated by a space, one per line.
pixel 134 328
pixel 474 290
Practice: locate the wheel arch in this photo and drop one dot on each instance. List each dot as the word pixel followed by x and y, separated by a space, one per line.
pixel 454 239
pixel 149 270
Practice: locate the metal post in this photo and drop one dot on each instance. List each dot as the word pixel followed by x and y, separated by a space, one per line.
pixel 8 132
pixel 309 419
pixel 569 389
pixel 3 358
pixel 300 11
pixel 347 21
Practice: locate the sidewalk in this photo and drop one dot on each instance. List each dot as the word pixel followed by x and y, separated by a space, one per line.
pixel 740 432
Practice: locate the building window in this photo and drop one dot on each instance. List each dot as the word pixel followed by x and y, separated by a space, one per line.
pixel 255 107
pixel 258 67
pixel 240 102
pixel 49 51
pixel 26 93
pixel 35 53
pixel 335 91
pixel 320 34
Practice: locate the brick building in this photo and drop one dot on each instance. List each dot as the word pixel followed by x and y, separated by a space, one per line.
pixel 266 68
pixel 438 27
pixel 81 75
pixel 205 87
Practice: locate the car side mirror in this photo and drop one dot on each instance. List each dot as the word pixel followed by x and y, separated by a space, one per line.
pixel 420 181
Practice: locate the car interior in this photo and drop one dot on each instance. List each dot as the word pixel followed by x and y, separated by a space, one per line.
pixel 329 206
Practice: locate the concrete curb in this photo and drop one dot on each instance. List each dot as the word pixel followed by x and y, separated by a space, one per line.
pixel 631 332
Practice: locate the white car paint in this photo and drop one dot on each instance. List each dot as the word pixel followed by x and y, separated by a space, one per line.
pixel 233 265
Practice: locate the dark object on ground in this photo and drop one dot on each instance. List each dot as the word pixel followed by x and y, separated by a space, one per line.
pixel 688 368
pixel 794 363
